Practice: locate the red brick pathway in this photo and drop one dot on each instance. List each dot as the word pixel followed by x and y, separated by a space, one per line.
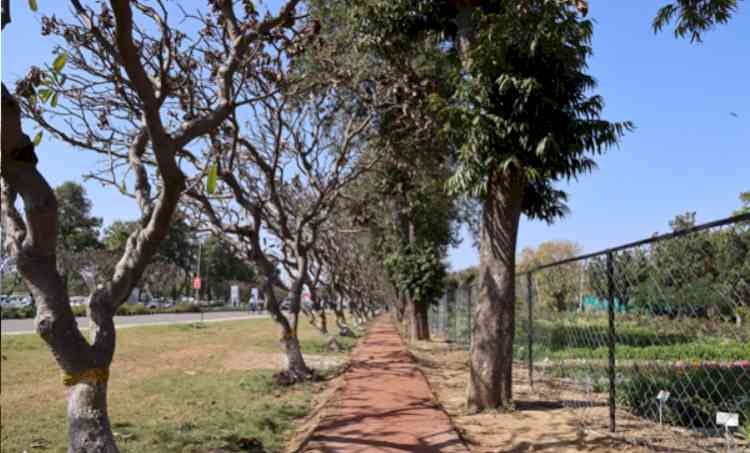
pixel 385 404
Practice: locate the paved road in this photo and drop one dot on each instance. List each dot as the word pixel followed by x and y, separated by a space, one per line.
pixel 23 326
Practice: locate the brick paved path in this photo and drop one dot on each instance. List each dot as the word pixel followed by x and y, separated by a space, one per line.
pixel 385 404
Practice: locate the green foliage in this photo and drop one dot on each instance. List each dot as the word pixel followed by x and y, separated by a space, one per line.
pixel 696 394
pixel 78 229
pixel 419 273
pixel 525 107
pixel 641 341
pixel 556 287
pixel 59 63
pixel 220 266
pixel 693 17
pixel 17 312
pixel 177 248
pixel 38 138
pixel 704 274
pixel 211 179
pixel 122 310
pixel 462 278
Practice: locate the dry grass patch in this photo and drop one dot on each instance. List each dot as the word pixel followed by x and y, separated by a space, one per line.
pixel 172 388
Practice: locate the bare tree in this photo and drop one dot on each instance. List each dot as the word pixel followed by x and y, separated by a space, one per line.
pixel 127 65
pixel 282 173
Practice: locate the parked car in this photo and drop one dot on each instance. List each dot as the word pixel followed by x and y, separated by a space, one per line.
pixel 18 301
pixel 156 302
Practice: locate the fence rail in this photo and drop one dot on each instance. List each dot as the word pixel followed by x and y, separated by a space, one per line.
pixel 654 333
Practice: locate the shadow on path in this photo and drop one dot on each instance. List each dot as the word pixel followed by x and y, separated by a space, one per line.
pixel 385 404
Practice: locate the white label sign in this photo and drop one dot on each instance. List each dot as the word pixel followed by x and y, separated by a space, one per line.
pixel 235 294
pixel 728 419
pixel 663 395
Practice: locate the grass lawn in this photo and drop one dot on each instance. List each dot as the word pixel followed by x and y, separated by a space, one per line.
pixel 178 388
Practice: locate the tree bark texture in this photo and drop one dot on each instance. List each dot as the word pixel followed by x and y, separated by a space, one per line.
pixel 88 423
pixel 420 319
pixel 491 356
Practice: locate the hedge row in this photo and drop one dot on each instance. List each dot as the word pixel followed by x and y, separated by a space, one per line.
pixel 696 394
pixel 122 310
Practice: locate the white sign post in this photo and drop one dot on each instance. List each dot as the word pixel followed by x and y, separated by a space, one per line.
pixel 728 420
pixel 662 397
pixel 235 295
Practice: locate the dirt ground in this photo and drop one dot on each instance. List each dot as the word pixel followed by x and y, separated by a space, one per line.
pixel 547 418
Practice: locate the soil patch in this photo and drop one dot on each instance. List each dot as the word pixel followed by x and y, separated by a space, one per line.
pixel 548 417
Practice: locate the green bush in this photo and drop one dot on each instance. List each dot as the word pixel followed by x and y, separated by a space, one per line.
pixel 17 312
pixel 702 349
pixel 132 309
pixel 186 308
pixel 559 335
pixel 696 394
pixel 122 310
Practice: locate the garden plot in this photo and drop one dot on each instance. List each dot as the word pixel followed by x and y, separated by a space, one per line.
pixel 557 414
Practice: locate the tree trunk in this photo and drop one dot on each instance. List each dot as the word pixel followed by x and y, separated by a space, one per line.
pixel 422 329
pixel 296 366
pixel 416 320
pixel 491 356
pixel 323 321
pixel 88 423
pixel 410 323
pixel 341 323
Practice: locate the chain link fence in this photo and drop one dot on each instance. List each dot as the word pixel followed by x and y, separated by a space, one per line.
pixel 649 341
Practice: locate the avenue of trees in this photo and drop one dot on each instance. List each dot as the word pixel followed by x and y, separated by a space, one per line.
pixel 324 146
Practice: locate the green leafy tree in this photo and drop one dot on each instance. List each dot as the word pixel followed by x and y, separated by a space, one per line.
pixel 220 267
pixel 556 286
pixel 524 117
pixel 745 201
pixel 78 229
pixel 175 257
pixel 694 17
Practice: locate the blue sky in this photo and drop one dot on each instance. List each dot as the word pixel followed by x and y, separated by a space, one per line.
pixel 688 152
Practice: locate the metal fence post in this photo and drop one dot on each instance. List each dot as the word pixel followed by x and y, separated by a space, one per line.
pixel 530 327
pixel 611 338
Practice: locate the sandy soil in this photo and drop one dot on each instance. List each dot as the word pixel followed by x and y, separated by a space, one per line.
pixel 547 418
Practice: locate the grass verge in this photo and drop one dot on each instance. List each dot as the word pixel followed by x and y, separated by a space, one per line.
pixel 180 388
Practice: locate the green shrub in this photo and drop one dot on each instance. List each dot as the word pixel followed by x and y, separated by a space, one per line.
pixel 17 312
pixel 696 394
pixel 559 335
pixel 186 308
pixel 702 349
pixel 132 309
